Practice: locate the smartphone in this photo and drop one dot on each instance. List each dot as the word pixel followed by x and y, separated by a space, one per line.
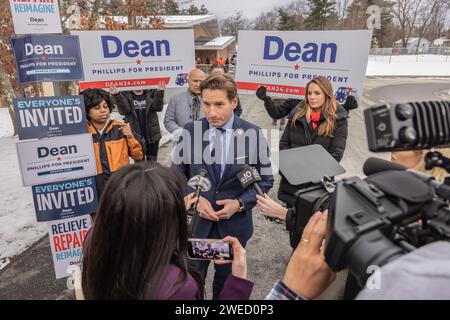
pixel 209 249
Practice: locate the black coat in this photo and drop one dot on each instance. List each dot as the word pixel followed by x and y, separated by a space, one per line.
pixel 282 110
pixel 300 135
pixel 155 103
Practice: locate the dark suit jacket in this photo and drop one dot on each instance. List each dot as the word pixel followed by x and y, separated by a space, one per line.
pixel 246 151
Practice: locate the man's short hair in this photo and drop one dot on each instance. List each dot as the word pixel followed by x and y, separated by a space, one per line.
pixel 93 97
pixel 220 82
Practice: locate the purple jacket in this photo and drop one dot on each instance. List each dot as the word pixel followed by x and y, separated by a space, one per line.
pixel 234 288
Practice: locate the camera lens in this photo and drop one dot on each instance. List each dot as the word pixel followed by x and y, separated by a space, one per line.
pixel 404 111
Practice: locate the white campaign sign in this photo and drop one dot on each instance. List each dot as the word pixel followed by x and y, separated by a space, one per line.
pixel 285 61
pixel 31 16
pixel 56 159
pixel 136 59
pixel 66 240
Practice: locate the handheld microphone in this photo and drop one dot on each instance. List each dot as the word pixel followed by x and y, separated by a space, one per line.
pixel 200 183
pixel 248 177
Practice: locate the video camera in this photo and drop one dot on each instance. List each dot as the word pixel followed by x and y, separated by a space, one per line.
pixel 394 210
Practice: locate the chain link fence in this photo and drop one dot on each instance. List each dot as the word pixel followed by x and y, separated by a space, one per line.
pixel 410 54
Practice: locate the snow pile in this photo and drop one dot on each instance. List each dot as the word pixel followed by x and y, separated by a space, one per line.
pixel 6 125
pixel 18 226
pixel 411 65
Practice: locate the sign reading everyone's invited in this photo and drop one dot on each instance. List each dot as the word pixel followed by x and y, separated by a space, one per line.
pixel 136 59
pixel 65 199
pixel 46 117
pixel 285 61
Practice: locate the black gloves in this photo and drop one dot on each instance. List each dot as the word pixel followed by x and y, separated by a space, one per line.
pixel 261 93
pixel 350 103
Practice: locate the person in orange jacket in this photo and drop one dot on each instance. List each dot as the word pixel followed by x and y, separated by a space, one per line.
pixel 114 142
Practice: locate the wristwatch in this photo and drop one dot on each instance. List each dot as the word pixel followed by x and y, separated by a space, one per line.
pixel 241 206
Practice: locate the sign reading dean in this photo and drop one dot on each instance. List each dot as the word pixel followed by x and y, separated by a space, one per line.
pixel 56 159
pixel 136 59
pixel 47 58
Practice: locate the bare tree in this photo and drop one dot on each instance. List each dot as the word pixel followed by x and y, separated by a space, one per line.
pixel 231 25
pixel 406 13
pixel 266 21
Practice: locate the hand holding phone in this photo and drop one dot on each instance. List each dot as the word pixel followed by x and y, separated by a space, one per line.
pixel 209 249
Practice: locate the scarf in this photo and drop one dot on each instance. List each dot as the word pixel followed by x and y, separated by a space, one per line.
pixel 314 117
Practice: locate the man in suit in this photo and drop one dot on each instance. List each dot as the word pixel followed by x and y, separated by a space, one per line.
pixel 221 143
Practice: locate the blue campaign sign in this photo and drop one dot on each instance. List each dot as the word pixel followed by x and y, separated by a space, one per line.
pixel 47 117
pixel 47 58
pixel 65 199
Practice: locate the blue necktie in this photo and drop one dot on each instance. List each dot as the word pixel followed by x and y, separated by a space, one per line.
pixel 217 166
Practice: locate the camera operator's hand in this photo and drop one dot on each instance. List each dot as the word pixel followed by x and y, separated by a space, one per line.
pixel 271 208
pixel 350 103
pixel 205 210
pixel 261 93
pixel 239 262
pixel 307 272
pixel 189 200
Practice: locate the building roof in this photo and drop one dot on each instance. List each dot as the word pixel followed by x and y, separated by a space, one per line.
pixel 218 43
pixel 410 40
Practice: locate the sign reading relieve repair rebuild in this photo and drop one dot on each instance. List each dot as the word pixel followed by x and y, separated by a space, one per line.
pixel 47 58
pixel 31 16
pixel 46 117
pixel 65 199
pixel 136 59
pixel 66 240
pixel 285 61
pixel 56 159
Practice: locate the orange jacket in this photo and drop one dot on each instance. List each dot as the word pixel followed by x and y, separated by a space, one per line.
pixel 112 149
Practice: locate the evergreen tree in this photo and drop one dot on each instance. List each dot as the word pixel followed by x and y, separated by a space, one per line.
pixel 320 11
pixel 286 21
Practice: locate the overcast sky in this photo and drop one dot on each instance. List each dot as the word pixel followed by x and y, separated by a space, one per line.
pixel 250 8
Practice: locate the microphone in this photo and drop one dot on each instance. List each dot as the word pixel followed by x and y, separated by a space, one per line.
pixel 200 183
pixel 375 165
pixel 248 177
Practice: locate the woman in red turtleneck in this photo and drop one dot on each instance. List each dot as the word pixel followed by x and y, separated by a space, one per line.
pixel 319 119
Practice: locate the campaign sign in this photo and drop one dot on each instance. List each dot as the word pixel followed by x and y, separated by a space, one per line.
pixel 65 199
pixel 136 59
pixel 285 61
pixel 47 58
pixel 56 159
pixel 31 16
pixel 66 240
pixel 47 117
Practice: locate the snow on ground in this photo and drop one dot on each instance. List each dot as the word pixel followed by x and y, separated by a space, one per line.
pixel 411 65
pixel 18 226
pixel 6 126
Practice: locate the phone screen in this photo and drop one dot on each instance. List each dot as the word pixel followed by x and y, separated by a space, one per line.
pixel 210 249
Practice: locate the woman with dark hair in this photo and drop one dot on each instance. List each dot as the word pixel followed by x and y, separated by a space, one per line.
pixel 138 247
pixel 319 119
